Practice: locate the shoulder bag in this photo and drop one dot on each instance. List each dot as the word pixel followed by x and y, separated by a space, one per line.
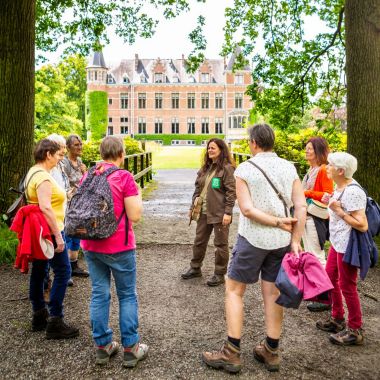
pixel 197 206
pixel 280 196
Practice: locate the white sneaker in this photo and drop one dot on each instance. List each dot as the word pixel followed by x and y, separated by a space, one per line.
pixel 103 354
pixel 134 354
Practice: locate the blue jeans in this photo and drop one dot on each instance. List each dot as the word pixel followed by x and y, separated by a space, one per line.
pixel 60 265
pixel 123 268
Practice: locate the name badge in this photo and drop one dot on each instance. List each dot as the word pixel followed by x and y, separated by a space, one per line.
pixel 215 183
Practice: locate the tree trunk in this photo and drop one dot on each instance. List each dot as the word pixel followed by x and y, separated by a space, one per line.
pixel 17 41
pixel 362 19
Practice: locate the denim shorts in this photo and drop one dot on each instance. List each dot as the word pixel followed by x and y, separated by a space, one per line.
pixel 73 244
pixel 248 262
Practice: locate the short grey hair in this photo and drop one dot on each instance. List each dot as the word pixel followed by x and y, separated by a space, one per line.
pixel 263 136
pixel 70 140
pixel 111 148
pixel 345 161
pixel 57 138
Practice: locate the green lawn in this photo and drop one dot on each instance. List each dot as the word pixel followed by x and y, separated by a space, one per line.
pixel 177 157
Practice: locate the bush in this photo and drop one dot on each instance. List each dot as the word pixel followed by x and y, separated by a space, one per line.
pixel 167 139
pixel 8 244
pixel 291 146
pixel 131 146
pixel 96 114
pixel 90 152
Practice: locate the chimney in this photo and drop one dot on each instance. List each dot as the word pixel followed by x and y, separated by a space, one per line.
pixel 136 60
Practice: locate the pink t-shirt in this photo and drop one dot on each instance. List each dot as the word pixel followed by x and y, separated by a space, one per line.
pixel 122 186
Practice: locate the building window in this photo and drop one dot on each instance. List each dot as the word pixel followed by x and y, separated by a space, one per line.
pixel 175 79
pixel 191 125
pixel 238 100
pixel 110 79
pixel 192 79
pixel 123 101
pixel 143 78
pixel 159 78
pixel 110 130
pixel 218 125
pixel 124 129
pixel 158 126
pixel 142 100
pixel 96 75
pixel 175 125
pixel 205 125
pixel 219 100
pixel 125 79
pixel 205 100
pixel 239 79
pixel 142 125
pixel 205 77
pixel 158 100
pixel 175 100
pixel 110 119
pixel 109 101
pixel 124 120
pixel 236 121
pixel 191 100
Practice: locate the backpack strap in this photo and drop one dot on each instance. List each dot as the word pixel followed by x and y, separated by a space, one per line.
pixel 351 184
pixel 280 196
pixel 25 191
pixel 108 172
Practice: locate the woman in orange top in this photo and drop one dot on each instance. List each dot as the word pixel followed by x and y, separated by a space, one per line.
pixel 316 184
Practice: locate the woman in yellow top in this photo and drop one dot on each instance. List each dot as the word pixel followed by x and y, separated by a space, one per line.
pixel 44 191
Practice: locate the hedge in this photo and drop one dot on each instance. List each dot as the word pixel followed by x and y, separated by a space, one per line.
pixel 96 113
pixel 167 139
pixel 8 244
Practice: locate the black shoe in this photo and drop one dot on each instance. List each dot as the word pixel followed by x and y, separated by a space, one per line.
pixel 77 271
pixel 191 273
pixel 215 280
pixel 40 318
pixel 57 329
pixel 316 307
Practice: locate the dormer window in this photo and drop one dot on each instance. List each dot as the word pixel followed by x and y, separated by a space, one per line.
pixel 192 79
pixel 159 78
pixel 110 79
pixel 175 79
pixel 205 78
pixel 239 79
pixel 143 78
pixel 125 79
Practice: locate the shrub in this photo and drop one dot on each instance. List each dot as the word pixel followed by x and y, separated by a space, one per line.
pixel 291 146
pixel 8 244
pixel 96 114
pixel 131 146
pixel 90 152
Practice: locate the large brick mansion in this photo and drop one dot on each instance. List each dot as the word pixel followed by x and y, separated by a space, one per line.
pixel 158 96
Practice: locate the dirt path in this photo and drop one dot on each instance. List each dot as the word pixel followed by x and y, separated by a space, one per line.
pixel 178 319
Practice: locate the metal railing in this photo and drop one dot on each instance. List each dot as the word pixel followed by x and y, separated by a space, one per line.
pixel 140 165
pixel 240 157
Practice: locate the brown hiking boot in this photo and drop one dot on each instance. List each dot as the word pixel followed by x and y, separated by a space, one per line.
pixel 331 325
pixel 348 337
pixel 40 318
pixel 227 358
pixel 267 355
pixel 57 329
pixel 191 273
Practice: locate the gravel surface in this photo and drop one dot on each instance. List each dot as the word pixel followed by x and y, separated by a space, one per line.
pixel 178 320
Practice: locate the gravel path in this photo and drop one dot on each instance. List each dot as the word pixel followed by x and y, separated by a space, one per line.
pixel 178 319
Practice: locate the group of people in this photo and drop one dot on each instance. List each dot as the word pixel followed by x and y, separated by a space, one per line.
pixel 273 221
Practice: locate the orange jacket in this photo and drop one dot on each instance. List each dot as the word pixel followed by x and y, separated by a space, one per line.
pixel 322 185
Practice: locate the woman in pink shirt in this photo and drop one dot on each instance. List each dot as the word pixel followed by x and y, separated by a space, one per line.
pixel 116 255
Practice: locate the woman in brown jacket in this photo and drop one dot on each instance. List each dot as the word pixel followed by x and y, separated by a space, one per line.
pixel 217 173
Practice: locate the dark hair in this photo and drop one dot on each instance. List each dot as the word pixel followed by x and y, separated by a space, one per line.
pixel 321 149
pixel 111 148
pixel 224 157
pixel 263 136
pixel 70 140
pixel 44 147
